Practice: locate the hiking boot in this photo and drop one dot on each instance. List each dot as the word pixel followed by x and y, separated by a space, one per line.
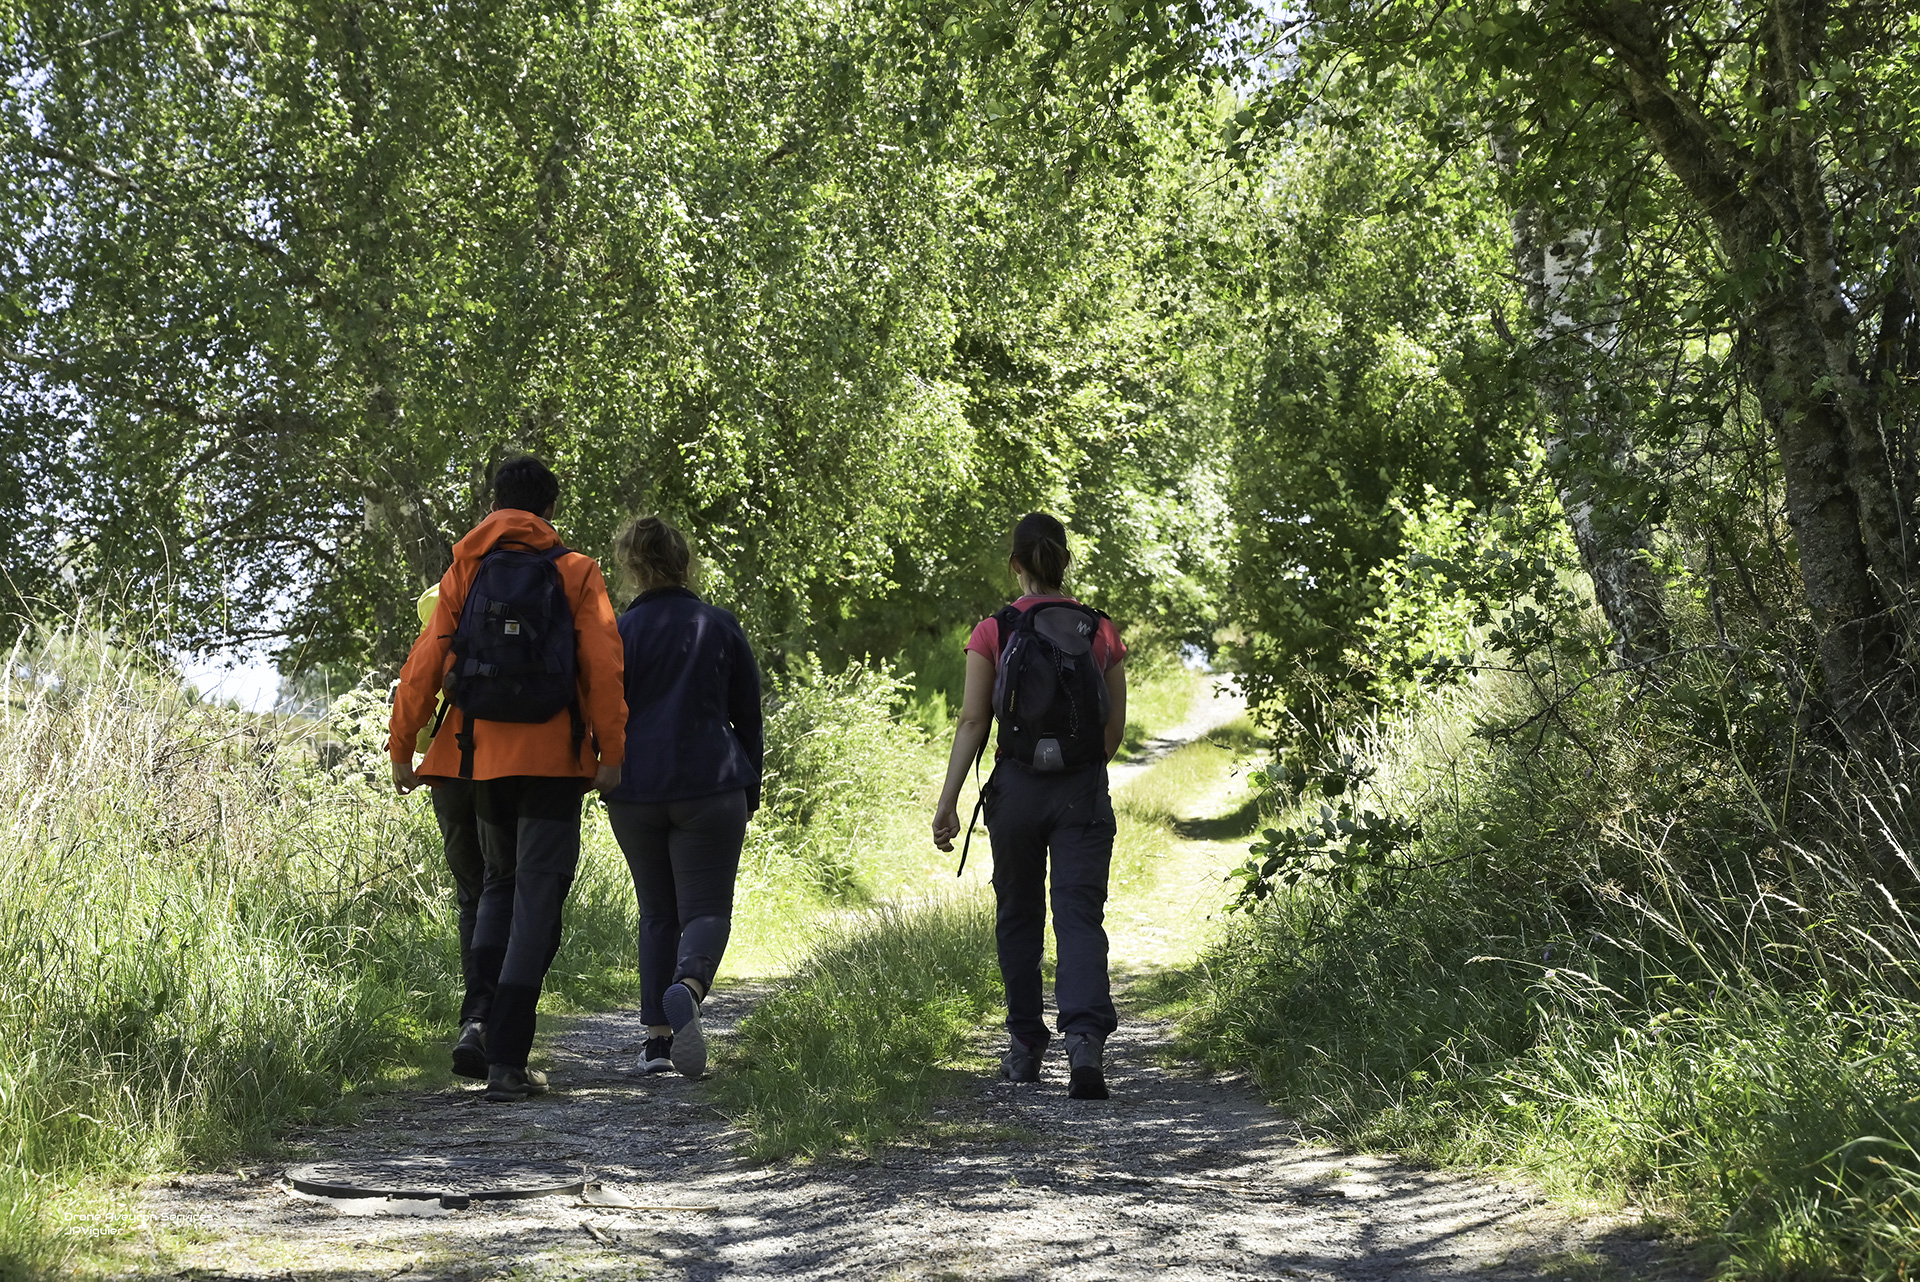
pixel 687 1048
pixel 1021 1063
pixel 470 1052
pixel 1084 1078
pixel 505 1084
pixel 655 1056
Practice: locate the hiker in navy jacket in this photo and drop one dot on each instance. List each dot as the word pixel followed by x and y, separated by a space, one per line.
pixel 690 781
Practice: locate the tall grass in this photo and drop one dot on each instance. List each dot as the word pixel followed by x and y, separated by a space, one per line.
pixel 841 768
pixel 845 1054
pixel 1635 959
pixel 205 933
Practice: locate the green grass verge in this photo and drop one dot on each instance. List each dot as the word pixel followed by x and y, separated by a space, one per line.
pixel 846 1054
pixel 210 935
pixel 1600 965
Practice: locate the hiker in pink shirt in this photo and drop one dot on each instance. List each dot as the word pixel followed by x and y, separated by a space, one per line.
pixel 1052 671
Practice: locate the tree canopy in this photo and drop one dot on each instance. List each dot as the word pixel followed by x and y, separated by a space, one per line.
pixel 287 280
pixel 1252 297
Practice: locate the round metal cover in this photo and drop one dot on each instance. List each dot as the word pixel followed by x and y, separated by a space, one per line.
pixel 454 1181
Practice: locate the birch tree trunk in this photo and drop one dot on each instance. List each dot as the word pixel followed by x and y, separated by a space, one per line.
pixel 1774 219
pixel 1589 443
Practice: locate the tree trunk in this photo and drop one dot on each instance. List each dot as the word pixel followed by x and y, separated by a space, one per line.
pixel 1589 445
pixel 1858 638
pixel 1774 221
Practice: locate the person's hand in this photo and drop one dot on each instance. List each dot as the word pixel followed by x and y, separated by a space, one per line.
pixel 404 779
pixel 606 777
pixel 946 825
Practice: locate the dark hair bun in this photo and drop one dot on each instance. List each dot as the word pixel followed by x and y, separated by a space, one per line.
pixel 1040 546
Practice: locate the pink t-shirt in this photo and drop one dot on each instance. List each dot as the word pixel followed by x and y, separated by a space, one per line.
pixel 1108 649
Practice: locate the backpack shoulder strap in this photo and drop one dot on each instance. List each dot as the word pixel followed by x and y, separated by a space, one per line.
pixel 1008 618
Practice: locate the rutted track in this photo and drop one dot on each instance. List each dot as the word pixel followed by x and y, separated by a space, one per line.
pixel 1181 1175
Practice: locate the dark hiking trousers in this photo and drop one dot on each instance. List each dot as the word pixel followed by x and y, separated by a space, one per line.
pixel 1069 818
pixel 530 835
pixel 684 856
pixel 460 837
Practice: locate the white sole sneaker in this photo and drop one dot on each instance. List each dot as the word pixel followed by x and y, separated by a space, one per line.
pixel 689 1050
pixel 656 1062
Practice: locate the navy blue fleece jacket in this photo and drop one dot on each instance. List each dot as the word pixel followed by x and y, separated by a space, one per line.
pixel 693 702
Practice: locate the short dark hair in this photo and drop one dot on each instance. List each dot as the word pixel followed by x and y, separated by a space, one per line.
pixel 523 481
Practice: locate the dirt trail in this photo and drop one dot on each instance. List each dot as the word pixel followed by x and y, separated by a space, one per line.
pixel 1217 705
pixel 1182 1175
pixel 1179 1176
pixel 1161 908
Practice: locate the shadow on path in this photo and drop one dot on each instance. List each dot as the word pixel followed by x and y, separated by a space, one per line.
pixel 1181 1176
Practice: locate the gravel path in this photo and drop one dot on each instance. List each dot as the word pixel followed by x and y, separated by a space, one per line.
pixel 1180 1176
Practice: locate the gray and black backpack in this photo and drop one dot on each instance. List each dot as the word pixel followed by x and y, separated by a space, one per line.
pixel 1050 695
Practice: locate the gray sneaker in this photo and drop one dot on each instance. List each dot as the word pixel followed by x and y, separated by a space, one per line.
pixel 656 1055
pixel 688 1049
pixel 1021 1063
pixel 1085 1080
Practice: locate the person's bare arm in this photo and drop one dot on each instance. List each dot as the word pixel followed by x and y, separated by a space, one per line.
pixel 976 718
pixel 1117 696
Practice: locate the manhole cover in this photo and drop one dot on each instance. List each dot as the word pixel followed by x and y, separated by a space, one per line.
pixel 454 1181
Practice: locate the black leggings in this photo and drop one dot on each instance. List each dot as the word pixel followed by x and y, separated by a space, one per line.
pixel 683 856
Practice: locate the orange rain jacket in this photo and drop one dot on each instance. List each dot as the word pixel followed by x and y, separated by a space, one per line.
pixel 503 748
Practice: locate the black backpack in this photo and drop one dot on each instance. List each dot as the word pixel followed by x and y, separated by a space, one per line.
pixel 513 649
pixel 1050 696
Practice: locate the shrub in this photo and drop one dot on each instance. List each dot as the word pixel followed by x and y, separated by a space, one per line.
pixel 838 764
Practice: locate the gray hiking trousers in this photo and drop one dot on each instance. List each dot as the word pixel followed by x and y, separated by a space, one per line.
pixel 530 835
pixel 1067 818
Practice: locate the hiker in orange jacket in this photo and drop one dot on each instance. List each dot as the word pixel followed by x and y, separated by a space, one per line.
pixel 530 767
